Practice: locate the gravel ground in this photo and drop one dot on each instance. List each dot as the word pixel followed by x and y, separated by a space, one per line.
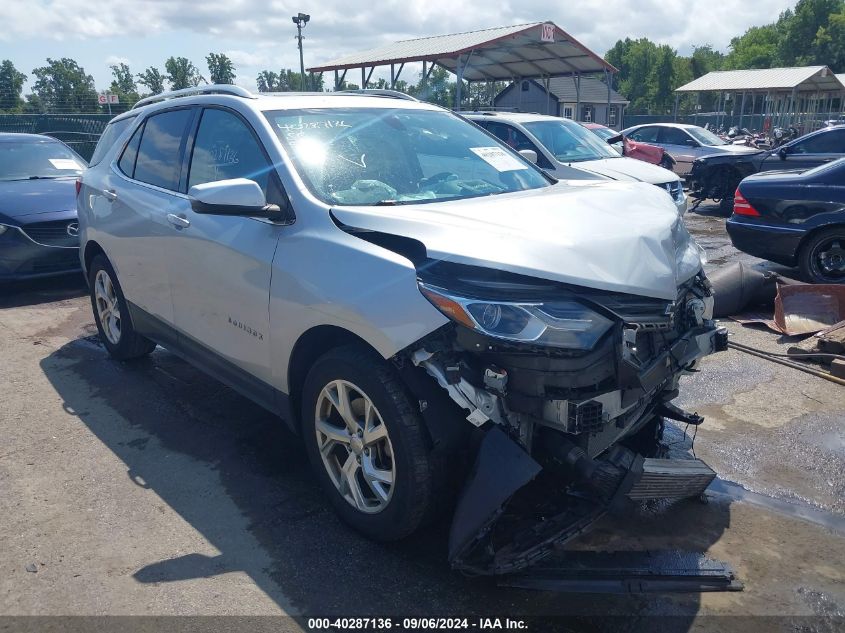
pixel 149 488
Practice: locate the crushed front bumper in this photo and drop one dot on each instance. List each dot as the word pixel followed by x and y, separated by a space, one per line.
pixel 510 516
pixel 519 505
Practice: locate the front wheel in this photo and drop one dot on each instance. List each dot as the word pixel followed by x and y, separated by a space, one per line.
pixel 112 314
pixel 367 444
pixel 822 258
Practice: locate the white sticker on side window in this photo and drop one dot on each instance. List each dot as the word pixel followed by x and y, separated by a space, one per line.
pixel 498 158
pixel 64 163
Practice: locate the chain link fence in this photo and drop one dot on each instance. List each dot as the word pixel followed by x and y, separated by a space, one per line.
pixel 80 131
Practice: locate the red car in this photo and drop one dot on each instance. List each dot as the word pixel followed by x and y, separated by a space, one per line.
pixel 632 149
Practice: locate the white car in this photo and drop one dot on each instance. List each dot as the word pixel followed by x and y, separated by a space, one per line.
pixel 561 144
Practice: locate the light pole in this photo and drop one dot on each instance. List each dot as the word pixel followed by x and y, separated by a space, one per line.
pixel 301 19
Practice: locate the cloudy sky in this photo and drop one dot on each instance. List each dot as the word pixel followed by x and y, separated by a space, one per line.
pixel 258 34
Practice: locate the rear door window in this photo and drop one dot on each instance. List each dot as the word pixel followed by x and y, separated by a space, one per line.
pixel 824 143
pixel 161 149
pixel 673 136
pixel 645 134
pixel 109 136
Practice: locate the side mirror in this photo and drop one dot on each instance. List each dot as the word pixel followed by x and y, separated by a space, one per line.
pixel 529 154
pixel 237 197
pixel 782 152
pixel 691 143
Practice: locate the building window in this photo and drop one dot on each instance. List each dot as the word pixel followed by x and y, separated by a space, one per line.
pixel 611 119
pixel 524 86
pixel 587 113
pixel 568 111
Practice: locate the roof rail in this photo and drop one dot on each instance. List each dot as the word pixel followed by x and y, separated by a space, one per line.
pixel 379 92
pixel 220 89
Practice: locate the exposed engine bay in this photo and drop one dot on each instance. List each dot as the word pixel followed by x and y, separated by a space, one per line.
pixel 717 177
pixel 568 388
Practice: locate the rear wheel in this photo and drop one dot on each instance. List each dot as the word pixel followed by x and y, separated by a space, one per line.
pixel 822 258
pixel 367 444
pixel 112 314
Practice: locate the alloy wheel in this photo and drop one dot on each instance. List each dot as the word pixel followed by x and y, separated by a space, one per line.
pixel 355 446
pixel 829 260
pixel 108 308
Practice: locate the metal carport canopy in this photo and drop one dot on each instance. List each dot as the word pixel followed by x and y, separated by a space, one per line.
pixel 503 53
pixel 806 78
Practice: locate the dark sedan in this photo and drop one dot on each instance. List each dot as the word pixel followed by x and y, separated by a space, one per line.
pixel 717 177
pixel 39 232
pixel 795 219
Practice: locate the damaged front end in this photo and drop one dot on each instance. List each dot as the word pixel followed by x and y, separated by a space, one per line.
pixel 568 387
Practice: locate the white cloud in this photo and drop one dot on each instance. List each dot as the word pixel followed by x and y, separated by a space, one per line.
pixel 340 26
pixel 115 60
pixel 258 34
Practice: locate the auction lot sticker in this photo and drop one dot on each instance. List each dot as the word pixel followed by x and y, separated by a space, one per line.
pixel 498 158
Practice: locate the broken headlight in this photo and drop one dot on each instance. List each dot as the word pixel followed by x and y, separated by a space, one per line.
pixel 559 323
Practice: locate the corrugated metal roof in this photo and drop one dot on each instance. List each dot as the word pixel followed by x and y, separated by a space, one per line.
pixel 592 90
pixel 500 53
pixel 802 78
pixel 563 89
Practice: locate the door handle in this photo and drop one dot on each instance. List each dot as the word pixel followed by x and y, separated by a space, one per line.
pixel 110 195
pixel 178 221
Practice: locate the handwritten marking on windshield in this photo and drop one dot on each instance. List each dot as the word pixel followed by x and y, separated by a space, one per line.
pixel 359 163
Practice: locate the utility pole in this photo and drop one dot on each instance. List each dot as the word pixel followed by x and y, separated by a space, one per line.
pixel 301 19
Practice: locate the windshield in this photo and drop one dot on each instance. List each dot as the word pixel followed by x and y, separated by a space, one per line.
pixel 366 156
pixel 604 132
pixel 570 142
pixel 25 160
pixel 705 137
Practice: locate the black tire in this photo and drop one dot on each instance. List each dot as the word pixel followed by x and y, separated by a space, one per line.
pixel 809 260
pixel 411 500
pixel 129 343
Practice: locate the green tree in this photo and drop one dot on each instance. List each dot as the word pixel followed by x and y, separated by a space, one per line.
pixel 287 80
pixel 756 48
pixel 62 85
pixel 220 68
pixel 798 45
pixel 662 80
pixel 830 42
pixel 11 86
pixel 181 73
pixel 439 88
pixel 152 79
pixel 705 59
pixel 267 81
pixel 124 86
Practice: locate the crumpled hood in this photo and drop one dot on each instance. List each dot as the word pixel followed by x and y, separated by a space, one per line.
pixel 20 198
pixel 622 237
pixel 628 169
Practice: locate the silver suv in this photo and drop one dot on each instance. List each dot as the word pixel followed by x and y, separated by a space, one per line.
pixel 411 296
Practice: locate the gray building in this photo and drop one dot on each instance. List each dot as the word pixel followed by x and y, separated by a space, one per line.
pixel 564 99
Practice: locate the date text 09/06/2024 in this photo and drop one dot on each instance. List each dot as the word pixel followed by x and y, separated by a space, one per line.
pixel 431 624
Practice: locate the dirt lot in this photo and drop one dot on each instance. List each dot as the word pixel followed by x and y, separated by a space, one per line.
pixel 148 488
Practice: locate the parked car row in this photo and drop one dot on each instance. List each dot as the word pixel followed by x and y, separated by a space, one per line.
pixel 433 304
